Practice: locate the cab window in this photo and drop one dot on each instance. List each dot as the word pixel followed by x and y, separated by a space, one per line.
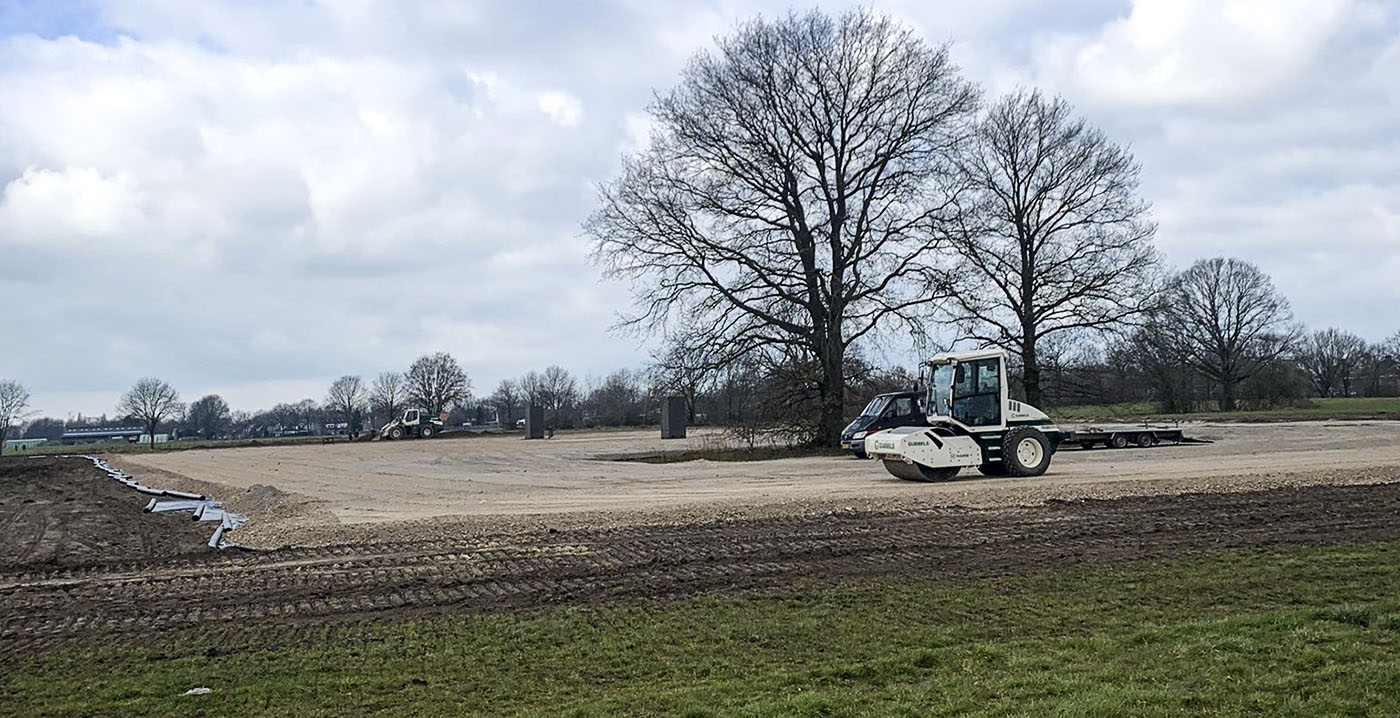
pixel 410 416
pixel 977 393
pixel 903 406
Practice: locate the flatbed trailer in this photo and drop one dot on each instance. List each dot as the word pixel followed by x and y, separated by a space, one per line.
pixel 1124 435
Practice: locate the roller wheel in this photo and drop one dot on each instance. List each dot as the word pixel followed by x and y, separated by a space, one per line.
pixel 427 432
pixel 396 433
pixel 919 472
pixel 1025 452
pixel 1118 441
pixel 993 468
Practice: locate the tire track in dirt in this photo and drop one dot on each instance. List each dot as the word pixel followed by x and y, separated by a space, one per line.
pixel 300 589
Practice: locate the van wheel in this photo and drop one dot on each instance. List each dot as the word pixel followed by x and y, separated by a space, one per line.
pixel 1025 452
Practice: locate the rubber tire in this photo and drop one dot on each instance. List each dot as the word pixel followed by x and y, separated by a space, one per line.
pixel 396 433
pixel 1144 440
pixel 859 453
pixel 993 468
pixel 1118 441
pixel 1011 460
pixel 426 432
pixel 919 472
pixel 1086 444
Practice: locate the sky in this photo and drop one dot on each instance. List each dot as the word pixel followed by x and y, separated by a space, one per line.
pixel 252 198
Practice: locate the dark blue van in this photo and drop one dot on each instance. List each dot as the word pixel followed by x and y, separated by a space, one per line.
pixel 886 411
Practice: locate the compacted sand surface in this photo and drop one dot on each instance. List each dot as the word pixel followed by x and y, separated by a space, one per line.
pixel 309 493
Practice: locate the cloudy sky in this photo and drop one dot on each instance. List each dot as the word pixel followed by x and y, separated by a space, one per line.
pixel 252 198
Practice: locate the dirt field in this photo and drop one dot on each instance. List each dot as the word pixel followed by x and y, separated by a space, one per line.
pixel 63 513
pixel 257 600
pixel 80 563
pixel 309 495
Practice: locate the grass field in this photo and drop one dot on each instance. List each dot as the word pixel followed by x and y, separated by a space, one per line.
pixel 1300 632
pixel 1315 409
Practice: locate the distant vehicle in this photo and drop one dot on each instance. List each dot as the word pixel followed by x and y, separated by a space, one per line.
pixel 520 423
pixel 413 423
pixel 885 411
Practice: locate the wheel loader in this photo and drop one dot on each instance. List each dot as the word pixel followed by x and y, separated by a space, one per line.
pixel 973 422
pixel 414 422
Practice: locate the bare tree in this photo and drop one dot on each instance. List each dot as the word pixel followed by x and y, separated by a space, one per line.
pixel 346 398
pixel 686 365
pixel 506 399
pixel 532 389
pixel 793 193
pixel 616 401
pixel 1228 321
pixel 1057 238
pixel 1329 358
pixel 558 391
pixel 209 416
pixel 150 401
pixel 388 394
pixel 436 382
pixel 14 404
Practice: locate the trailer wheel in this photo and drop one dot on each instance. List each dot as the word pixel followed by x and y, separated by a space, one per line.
pixel 1118 441
pixel 1025 452
pixel 1144 440
pixel 993 468
pixel 427 432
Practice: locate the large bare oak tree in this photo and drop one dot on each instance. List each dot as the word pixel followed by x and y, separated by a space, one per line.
pixel 150 401
pixel 1057 238
pixel 436 382
pixel 347 397
pixel 1330 357
pixel 792 193
pixel 1228 321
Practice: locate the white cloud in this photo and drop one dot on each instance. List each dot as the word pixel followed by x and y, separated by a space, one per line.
pixel 561 107
pixel 1182 52
pixel 257 199
pixel 72 206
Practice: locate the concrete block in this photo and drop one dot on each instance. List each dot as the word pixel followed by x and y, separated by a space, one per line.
pixel 534 422
pixel 673 417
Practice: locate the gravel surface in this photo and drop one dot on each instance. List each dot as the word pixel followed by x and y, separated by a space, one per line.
pixel 316 495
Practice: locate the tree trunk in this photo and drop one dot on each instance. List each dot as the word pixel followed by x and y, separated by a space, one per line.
pixel 833 394
pixel 1030 372
pixel 1227 394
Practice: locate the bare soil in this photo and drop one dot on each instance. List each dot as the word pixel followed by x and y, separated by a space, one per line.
pixel 62 513
pixel 226 600
pixel 350 493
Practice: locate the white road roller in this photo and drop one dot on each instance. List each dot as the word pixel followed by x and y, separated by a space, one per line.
pixel 973 422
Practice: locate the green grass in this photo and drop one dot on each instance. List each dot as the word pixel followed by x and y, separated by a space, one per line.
pixel 1314 409
pixel 1303 632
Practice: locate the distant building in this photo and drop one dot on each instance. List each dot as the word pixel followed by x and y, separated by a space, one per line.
pixel 101 434
pixel 23 444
